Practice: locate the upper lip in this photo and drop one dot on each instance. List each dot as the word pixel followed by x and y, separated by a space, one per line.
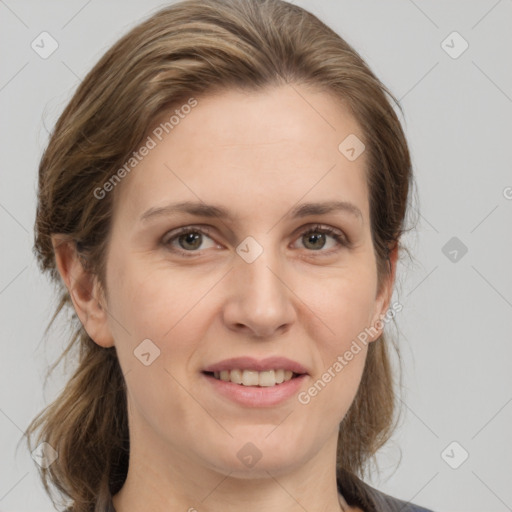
pixel 260 365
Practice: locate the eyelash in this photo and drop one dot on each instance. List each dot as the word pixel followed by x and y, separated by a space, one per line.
pixel 338 236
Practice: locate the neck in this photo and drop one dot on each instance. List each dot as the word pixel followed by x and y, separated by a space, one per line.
pixel 154 483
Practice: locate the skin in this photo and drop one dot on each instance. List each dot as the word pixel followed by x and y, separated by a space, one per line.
pixel 258 155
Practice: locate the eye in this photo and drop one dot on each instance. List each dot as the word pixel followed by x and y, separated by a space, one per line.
pixel 317 238
pixel 193 239
pixel 188 239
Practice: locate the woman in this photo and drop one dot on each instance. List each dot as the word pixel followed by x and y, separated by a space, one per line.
pixel 222 203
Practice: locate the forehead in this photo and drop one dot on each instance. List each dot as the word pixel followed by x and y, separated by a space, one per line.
pixel 273 145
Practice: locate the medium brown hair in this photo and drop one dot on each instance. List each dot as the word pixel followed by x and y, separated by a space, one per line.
pixel 196 47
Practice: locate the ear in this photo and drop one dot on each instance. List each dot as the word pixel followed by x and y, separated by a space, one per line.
pixel 383 298
pixel 84 290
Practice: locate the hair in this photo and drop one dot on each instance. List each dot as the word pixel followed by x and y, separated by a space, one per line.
pixel 196 47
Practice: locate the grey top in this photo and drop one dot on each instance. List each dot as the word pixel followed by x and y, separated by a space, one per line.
pixel 359 494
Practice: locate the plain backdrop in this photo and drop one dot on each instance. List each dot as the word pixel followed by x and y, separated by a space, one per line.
pixel 453 450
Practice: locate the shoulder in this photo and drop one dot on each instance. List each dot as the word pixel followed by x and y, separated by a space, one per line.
pixel 386 503
pixel 359 493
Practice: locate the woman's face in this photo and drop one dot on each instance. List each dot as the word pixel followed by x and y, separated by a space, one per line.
pixel 246 284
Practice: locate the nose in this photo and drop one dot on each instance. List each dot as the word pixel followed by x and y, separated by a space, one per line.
pixel 260 300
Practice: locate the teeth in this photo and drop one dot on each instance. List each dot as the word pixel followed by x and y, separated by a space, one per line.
pixel 250 378
pixel 236 376
pixel 279 376
pixel 253 378
pixel 267 378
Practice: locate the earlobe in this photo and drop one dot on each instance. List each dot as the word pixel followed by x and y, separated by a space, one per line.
pixel 84 290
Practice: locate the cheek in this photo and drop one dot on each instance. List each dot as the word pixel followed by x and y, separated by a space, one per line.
pixel 345 303
pixel 345 307
pixel 170 308
pixel 145 306
pixel 151 299
pixel 333 391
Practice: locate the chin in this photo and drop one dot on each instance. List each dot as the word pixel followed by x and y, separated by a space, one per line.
pixel 254 459
pixel 260 470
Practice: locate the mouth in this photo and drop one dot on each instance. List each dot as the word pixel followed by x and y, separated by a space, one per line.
pixel 252 378
pixel 250 393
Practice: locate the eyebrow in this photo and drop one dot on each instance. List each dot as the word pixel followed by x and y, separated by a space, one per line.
pixel 207 210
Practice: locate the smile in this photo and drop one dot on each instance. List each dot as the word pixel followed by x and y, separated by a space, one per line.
pixel 266 378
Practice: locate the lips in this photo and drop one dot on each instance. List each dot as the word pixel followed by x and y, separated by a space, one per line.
pixel 259 365
pixel 266 394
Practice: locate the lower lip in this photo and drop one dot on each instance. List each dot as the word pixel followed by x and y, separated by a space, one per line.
pixel 257 396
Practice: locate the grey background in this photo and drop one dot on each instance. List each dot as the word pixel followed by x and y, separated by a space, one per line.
pixel 457 317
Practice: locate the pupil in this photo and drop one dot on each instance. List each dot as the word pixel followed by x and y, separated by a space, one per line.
pixel 315 238
pixel 191 238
